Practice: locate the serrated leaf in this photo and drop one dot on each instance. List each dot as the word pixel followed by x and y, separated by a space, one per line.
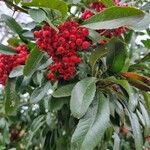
pixel 114 17
pixel 11 98
pixel 16 72
pixel 117 55
pixel 33 61
pixel 39 93
pixel 38 15
pixel 6 50
pixel 55 4
pixel 82 96
pixel 92 126
pixel 63 91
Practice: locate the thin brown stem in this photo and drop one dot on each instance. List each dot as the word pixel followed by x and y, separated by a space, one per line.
pixel 17 8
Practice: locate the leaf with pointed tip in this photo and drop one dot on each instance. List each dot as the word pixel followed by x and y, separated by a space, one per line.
pixel 114 17
pixel 7 50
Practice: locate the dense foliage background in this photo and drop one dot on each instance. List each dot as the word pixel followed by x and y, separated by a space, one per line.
pixel 77 76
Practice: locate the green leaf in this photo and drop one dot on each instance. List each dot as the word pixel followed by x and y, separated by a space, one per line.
pixel 146 96
pixel 63 91
pixel 108 3
pixel 33 61
pixel 11 98
pixel 116 142
pixel 82 96
pixel 117 55
pixel 38 15
pixel 92 126
pixel 39 93
pixel 114 17
pixel 146 119
pixel 95 56
pixel 12 24
pixel 145 58
pixel 6 50
pixel 146 43
pixel 136 130
pixel 55 4
pixel 16 72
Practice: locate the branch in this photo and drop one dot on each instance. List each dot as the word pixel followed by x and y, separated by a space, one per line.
pixel 17 8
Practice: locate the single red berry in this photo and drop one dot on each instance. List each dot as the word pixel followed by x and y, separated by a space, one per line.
pixel 85 45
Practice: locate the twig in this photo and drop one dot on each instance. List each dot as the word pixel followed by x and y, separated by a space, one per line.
pixel 15 6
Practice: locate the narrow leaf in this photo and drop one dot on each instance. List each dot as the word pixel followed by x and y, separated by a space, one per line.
pixel 6 50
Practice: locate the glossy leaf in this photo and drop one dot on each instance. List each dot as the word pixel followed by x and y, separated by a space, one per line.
pixel 17 71
pixel 114 17
pixel 82 96
pixel 55 4
pixel 92 126
pixel 7 50
pixel 33 61
pixel 63 91
pixel 11 98
pixel 117 55
pixel 108 3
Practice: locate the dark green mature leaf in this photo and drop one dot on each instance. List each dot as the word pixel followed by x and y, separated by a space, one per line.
pixel 136 130
pixel 117 55
pixel 12 24
pixel 82 96
pixel 11 98
pixel 146 119
pixel 63 91
pixel 6 50
pixel 108 3
pixel 147 100
pixel 17 71
pixel 92 126
pixel 55 4
pixel 39 93
pixel 33 61
pixel 114 17
pixel 38 15
pixel 96 55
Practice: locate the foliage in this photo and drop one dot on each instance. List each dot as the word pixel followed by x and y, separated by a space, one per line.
pixel 103 104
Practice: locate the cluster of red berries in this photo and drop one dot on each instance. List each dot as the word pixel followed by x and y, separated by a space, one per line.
pixel 8 62
pixel 98 6
pixel 63 47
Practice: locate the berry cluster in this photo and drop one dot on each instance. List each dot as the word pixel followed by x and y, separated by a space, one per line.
pixel 98 6
pixel 63 47
pixel 8 62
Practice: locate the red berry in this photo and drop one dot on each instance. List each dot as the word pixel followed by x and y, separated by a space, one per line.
pixel 79 42
pixel 85 45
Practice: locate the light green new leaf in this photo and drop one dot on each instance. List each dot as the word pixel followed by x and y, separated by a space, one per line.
pixel 108 3
pixel 92 126
pixel 6 50
pixel 82 96
pixel 63 91
pixel 52 4
pixel 114 17
pixel 33 61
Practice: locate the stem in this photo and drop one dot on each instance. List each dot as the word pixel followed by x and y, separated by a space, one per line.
pixel 17 8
